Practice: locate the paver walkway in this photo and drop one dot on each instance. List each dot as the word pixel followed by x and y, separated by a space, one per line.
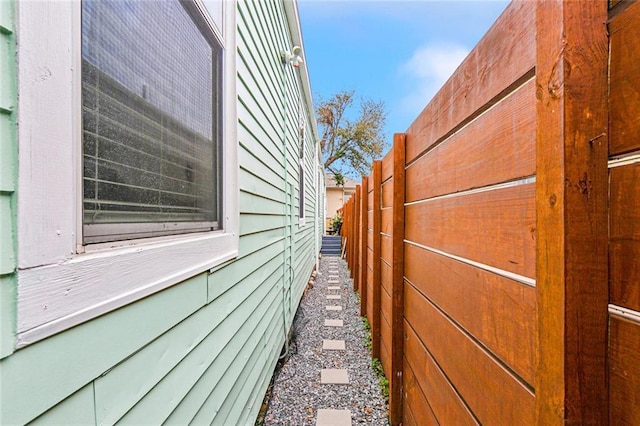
pixel 328 380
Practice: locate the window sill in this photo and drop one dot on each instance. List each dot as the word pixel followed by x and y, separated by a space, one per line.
pixel 53 298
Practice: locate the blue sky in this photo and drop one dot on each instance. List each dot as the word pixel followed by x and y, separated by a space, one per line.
pixel 400 52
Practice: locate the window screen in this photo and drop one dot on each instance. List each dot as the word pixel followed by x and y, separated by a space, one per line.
pixel 151 89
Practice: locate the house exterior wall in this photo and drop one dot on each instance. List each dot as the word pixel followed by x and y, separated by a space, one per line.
pixel 202 350
pixel 336 197
pixel 8 164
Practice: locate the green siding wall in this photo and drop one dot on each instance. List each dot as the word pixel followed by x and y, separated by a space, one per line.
pixel 202 351
pixel 8 162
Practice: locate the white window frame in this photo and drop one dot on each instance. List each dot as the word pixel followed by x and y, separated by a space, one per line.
pixel 61 282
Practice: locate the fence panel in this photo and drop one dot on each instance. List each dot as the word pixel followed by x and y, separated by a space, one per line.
pixel 362 254
pixel 624 216
pixel 470 233
pixel 386 246
pixel 491 268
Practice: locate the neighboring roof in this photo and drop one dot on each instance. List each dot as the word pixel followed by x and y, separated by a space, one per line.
pixel 331 182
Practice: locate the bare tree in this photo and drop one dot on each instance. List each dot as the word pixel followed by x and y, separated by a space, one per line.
pixel 349 146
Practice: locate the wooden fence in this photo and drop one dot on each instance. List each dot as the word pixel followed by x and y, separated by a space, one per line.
pixel 496 247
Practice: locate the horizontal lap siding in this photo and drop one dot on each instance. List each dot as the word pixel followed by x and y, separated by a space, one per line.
pixel 8 165
pixel 470 235
pixel 202 350
pixel 624 217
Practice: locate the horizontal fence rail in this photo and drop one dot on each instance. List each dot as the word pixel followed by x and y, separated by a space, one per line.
pixel 497 242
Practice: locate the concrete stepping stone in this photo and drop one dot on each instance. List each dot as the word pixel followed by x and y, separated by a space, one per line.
pixel 333 287
pixel 334 376
pixel 333 417
pixel 334 297
pixel 333 282
pixel 333 323
pixel 333 345
pixel 334 308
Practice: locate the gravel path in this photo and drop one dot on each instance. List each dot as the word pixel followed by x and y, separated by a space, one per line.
pixel 297 394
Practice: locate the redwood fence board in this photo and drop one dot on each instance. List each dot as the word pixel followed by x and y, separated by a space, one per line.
pixel 386 171
pixel 443 399
pixel 624 216
pixel 504 55
pixel 624 120
pixel 624 372
pixel 499 312
pixel 504 135
pixel 496 228
pixel 415 401
pixel 624 234
pixel 500 237
pixel 571 208
pixel 511 403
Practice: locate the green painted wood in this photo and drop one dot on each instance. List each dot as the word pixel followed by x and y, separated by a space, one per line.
pixel 252 407
pixel 7 251
pixel 254 184
pixel 252 243
pixel 259 47
pixel 7 65
pixel 41 375
pixel 78 409
pixel 252 223
pixel 209 344
pixel 7 315
pixel 273 345
pixel 249 161
pixel 236 402
pixel 8 168
pixel 200 335
pixel 192 403
pixel 224 279
pixel 214 353
pixel 8 152
pixel 238 369
pixel 6 16
pixel 257 204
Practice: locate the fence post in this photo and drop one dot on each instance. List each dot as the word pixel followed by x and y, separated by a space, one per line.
pixel 397 272
pixel 363 245
pixel 347 229
pixel 571 208
pixel 356 238
pixel 375 287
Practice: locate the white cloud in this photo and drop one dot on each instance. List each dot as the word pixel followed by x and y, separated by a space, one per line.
pixel 428 69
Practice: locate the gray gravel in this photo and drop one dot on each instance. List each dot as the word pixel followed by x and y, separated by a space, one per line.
pixel 296 394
